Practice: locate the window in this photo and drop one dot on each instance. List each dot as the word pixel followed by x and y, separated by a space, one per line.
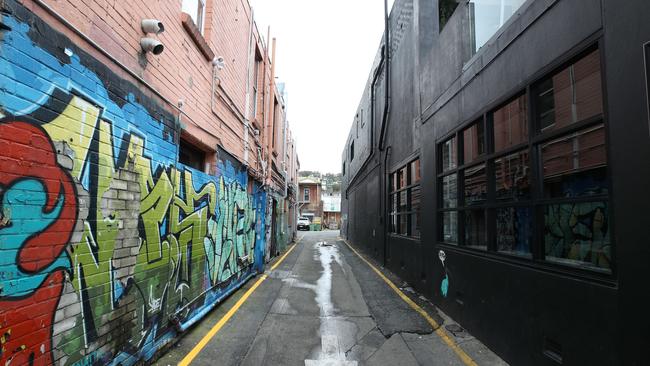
pixel 445 11
pixel 533 189
pixel 573 156
pixel 352 150
pixel 488 16
pixel 306 195
pixel 571 95
pixel 190 156
pixel 474 142
pixel 405 200
pixel 196 10
pixel 464 211
pixel 343 169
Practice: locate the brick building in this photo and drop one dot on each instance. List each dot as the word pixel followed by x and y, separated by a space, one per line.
pixel 159 164
pixel 331 210
pixel 311 205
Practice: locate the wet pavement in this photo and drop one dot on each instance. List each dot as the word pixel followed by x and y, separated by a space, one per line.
pixel 324 306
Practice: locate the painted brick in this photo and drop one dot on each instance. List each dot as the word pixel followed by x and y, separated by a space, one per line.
pixel 92 186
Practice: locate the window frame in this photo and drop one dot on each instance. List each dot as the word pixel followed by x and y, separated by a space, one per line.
pixel 536 202
pixel 394 216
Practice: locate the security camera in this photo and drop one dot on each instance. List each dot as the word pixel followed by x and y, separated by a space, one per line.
pixel 152 26
pixel 152 45
pixel 219 62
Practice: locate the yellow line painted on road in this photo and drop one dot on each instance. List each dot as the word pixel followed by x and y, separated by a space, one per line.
pixel 439 330
pixel 217 327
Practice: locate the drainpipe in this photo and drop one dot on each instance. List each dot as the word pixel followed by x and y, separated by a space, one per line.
pixel 382 148
pixel 284 152
pixel 271 127
pixel 248 90
pixel 387 73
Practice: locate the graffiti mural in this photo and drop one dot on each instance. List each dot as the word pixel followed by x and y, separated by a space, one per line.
pixel 109 245
pixel 444 285
pixel 578 233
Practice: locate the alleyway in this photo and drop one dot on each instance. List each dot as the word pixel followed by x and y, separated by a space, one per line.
pixel 322 305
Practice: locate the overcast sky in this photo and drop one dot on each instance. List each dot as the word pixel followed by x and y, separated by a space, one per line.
pixel 325 50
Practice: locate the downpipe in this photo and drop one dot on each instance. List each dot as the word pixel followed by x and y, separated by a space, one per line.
pixel 248 91
pixel 387 110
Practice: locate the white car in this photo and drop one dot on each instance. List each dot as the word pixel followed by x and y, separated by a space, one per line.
pixel 303 223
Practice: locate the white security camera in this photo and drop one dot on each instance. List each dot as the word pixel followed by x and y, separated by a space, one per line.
pixel 152 26
pixel 219 62
pixel 152 45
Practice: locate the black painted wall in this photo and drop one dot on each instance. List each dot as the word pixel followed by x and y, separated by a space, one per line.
pixel 438 85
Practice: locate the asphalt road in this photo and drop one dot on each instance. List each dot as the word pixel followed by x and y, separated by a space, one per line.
pixel 323 305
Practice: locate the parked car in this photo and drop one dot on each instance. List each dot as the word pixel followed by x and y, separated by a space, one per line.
pixel 303 223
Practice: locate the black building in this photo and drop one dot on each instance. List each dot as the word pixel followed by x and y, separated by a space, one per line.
pixel 504 171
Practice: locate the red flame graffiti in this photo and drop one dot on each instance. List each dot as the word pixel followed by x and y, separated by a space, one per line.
pixel 26 323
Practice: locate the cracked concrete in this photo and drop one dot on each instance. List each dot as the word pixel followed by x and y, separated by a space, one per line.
pixel 324 306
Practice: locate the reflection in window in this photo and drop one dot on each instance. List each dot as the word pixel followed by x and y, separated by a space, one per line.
pixel 510 124
pixel 475 229
pixel 404 200
pixel 450 227
pixel 578 234
pixel 487 16
pixel 571 95
pixel 537 192
pixel 475 185
pixel 576 165
pixel 473 142
pixel 403 224
pixel 415 172
pixel 513 176
pixel 448 151
pixel 415 206
pixel 401 178
pixel 449 191
pixel 514 230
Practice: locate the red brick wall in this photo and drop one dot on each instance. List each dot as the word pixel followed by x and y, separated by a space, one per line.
pixel 181 71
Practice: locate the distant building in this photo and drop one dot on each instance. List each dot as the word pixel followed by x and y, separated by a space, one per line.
pixel 331 210
pixel 309 192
